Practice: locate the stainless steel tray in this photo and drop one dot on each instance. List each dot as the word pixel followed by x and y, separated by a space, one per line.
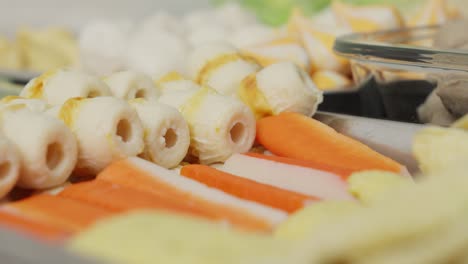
pixel 393 139
pixel 398 50
pixel 16 249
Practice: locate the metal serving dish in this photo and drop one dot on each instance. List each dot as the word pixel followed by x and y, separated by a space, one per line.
pixel 396 70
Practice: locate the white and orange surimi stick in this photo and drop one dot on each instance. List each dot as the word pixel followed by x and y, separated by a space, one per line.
pixel 145 176
pixel 56 87
pixel 247 189
pixel 47 148
pixel 308 181
pixel 166 133
pixel 106 129
pixel 312 141
pixel 129 85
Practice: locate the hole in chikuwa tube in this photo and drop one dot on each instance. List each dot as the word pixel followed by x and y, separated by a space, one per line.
pixel 124 130
pixel 237 132
pixel 140 94
pixel 5 169
pixel 54 155
pixel 170 137
pixel 93 94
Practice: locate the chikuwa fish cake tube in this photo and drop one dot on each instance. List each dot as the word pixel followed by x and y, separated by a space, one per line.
pixel 106 129
pixel 220 66
pixel 174 81
pixel 130 85
pixel 9 166
pixel 166 133
pixel 56 87
pixel 13 103
pixel 47 148
pixel 282 48
pixel 219 125
pixel 280 87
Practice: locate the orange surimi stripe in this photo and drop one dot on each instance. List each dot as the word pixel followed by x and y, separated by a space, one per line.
pixel 119 198
pixel 32 228
pixel 247 189
pixel 341 171
pixel 307 181
pixel 57 211
pixel 146 176
pixel 300 137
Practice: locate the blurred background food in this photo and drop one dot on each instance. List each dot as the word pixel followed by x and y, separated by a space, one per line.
pixel 156 40
pixel 39 50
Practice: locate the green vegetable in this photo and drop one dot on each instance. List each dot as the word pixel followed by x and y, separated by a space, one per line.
pixel 276 12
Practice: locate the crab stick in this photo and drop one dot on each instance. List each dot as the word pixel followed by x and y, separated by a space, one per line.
pixel 61 212
pixel 300 137
pixel 119 198
pixel 32 228
pixel 146 176
pixel 247 189
pixel 307 181
pixel 341 171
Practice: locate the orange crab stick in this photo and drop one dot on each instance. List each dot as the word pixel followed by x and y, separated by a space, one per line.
pixel 61 212
pixel 119 198
pixel 145 176
pixel 34 229
pixel 300 137
pixel 341 171
pixel 307 181
pixel 247 189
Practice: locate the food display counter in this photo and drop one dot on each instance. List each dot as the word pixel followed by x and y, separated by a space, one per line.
pixel 334 132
